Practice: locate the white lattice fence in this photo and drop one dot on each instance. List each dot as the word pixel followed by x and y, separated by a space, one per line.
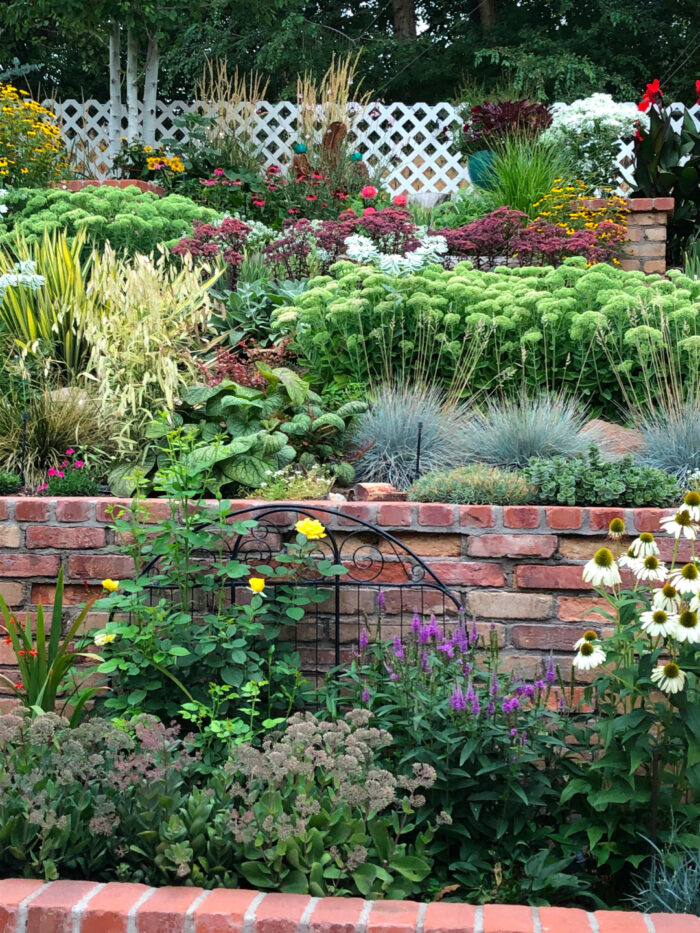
pixel 403 139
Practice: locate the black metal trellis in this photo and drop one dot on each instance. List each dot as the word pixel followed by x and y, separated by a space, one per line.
pixel 376 562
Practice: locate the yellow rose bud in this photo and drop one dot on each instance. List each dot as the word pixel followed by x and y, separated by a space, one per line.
pixel 110 585
pixel 257 584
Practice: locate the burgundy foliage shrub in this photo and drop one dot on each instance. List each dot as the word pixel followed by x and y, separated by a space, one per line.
pixel 209 241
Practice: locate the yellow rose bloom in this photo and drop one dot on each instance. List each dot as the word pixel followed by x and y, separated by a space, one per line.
pixel 310 528
pixel 110 585
pixel 257 584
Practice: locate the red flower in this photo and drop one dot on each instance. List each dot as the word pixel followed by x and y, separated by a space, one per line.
pixel 651 95
pixel 272 187
pixel 293 210
pixel 644 104
pixel 369 191
pixel 312 197
pixel 399 200
pixel 317 175
pixel 21 653
pixel 33 653
pixel 8 640
pixel 340 194
pixel 258 202
pixel 638 136
pixel 697 90
pixel 19 685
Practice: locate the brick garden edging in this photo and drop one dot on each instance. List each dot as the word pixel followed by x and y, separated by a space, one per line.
pixel 28 906
pixel 645 247
pixel 518 567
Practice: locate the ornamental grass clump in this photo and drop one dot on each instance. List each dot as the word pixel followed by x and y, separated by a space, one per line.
pixel 671 439
pixel 476 484
pixel 384 442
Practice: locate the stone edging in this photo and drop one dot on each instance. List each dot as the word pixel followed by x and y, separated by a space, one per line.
pixel 29 906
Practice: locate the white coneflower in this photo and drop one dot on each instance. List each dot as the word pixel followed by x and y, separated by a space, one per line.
pixel 694 604
pixel 669 677
pixel 588 636
pixel 686 628
pixel 667 598
pixel 651 568
pixel 658 622
pixel 687 579
pixel 644 546
pixel 680 525
pixel 588 657
pixel 602 570
pixel 629 560
pixel 691 502
pixel 616 529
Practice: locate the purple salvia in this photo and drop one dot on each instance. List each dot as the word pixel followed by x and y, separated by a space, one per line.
pixel 476 706
pixel 513 733
pixel 467 668
pixel 458 701
pixel 424 666
pixel 550 675
pixel 469 695
pixel 365 695
pixel 364 638
pixel 539 684
pixel 491 708
pixel 398 648
pixel 448 649
pixel 529 690
pixel 493 689
pixel 473 635
pixel 415 622
pixel 381 599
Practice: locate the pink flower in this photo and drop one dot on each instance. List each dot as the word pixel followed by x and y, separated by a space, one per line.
pixel 60 474
pixel 42 487
pixel 64 463
pixel 368 210
pixel 219 171
pixel 78 464
pixel 399 200
pixel 208 183
pixel 369 191
pixel 274 170
pixel 52 471
pixel 69 452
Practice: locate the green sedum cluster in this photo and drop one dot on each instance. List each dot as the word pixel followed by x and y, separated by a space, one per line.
pixel 589 330
pixel 130 219
pixel 476 484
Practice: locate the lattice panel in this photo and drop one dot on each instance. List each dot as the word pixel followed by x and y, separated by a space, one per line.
pixel 401 139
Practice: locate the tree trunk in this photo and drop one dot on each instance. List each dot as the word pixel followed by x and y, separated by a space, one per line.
pixel 115 90
pixel 150 91
pixel 132 89
pixel 487 14
pixel 404 18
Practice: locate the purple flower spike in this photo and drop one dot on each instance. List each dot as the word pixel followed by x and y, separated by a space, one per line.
pixel 493 689
pixel 398 648
pixel 364 638
pixel 539 684
pixel 562 703
pixel 529 690
pixel 469 695
pixel 550 675
pixel 523 738
pixel 458 701
pixel 467 668
pixel 365 695
pixel 491 708
pixel 393 676
pixel 513 733
pixel 510 704
pixel 448 648
pixel 381 599
pixel 415 623
pixel 476 706
pixel 473 635
pixel 424 666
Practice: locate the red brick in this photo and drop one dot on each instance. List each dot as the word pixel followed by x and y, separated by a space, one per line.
pixel 222 911
pixel 563 517
pixel 4 509
pixel 512 545
pixel 12 593
pixel 165 911
pixel 158 510
pixel 365 511
pixel 675 923
pixel 510 605
pixel 424 600
pixel 9 536
pixel 51 910
pixel 280 913
pixel 396 514
pixel 502 918
pixel 32 510
pixel 539 637
pixel 441 516
pixel 620 921
pixel 12 892
pixel 74 510
pixel 543 577
pixel 599 519
pixel 449 918
pixel 654 266
pixel 573 608
pixel 425 544
pixel 379 492
pixel 521 516
pixel 641 204
pixel 476 516
pixel 468 573
pixel 100 566
pixel 648 519
pixel 45 593
pixel 392 917
pixel 28 565
pixel 64 538
pixel 336 915
pixel 107 911
pixel 664 204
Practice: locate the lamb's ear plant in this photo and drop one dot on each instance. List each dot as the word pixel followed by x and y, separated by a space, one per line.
pixel 47 663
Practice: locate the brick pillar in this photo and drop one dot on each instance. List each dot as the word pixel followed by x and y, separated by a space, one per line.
pixel 645 249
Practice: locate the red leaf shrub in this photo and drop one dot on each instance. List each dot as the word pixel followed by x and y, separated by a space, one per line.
pixel 209 241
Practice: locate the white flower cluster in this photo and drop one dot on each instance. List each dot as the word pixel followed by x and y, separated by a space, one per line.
pixel 673 612
pixel 24 273
pixel 591 130
pixel 362 249
pixel 3 207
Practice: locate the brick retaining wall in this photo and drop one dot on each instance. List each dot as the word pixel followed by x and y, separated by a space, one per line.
pixel 518 567
pixel 645 247
pixel 28 906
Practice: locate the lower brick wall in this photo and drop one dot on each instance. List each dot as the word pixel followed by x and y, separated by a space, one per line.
pixel 517 567
pixel 28 906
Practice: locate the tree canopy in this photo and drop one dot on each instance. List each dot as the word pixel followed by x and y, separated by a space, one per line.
pixel 411 49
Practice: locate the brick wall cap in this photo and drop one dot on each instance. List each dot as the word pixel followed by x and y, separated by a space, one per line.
pixel 73 903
